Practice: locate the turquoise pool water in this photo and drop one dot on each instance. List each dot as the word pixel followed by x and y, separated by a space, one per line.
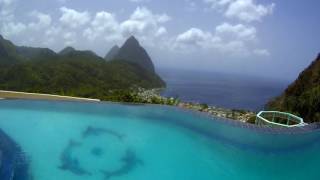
pixel 97 141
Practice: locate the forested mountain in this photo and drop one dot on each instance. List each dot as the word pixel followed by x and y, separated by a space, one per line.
pixel 302 97
pixel 112 53
pixel 69 72
pixel 133 52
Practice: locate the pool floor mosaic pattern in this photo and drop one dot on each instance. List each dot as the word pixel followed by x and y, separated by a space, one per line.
pixel 100 141
pixel 13 162
pixel 71 163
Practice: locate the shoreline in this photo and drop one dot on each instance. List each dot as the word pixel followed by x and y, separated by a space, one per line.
pixel 233 114
pixel 151 96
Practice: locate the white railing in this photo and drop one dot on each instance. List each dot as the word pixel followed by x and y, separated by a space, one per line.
pixel 278 119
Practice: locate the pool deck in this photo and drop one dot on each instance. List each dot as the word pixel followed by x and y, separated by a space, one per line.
pixel 37 96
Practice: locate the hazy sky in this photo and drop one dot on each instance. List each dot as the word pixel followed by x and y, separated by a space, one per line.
pixel 273 38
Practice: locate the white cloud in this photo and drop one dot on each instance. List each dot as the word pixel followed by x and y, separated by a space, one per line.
pixel 53 31
pixel 239 38
pixel 44 20
pixel 163 18
pixel 193 40
pixel 261 52
pixel 144 23
pixel 75 26
pixel 193 36
pixel 139 1
pixel 218 3
pixel 7 25
pixel 51 35
pixel 247 10
pixel 62 1
pixel 103 25
pixel 73 18
pixel 233 48
pixel 161 31
pixel 6 10
pixel 226 38
pixel 191 5
pixel 238 31
pixel 6 2
pixel 244 10
pixel 11 28
pixel 70 38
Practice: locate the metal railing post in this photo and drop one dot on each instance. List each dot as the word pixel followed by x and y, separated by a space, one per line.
pixel 273 114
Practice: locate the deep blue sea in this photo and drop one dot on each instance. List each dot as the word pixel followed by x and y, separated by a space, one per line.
pixel 221 89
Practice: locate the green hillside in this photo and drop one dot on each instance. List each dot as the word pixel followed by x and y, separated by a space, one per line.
pixel 71 72
pixel 133 52
pixel 302 97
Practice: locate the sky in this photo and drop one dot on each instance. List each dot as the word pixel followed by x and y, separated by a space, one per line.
pixel 267 38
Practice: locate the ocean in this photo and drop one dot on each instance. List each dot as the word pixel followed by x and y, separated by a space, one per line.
pixel 221 89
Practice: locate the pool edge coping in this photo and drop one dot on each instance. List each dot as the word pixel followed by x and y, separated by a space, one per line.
pixel 236 123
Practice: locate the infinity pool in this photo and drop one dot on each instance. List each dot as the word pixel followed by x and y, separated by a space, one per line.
pixel 101 141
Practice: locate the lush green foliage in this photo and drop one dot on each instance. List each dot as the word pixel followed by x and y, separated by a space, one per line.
pixel 74 73
pixel 139 96
pixel 303 96
pixel 252 120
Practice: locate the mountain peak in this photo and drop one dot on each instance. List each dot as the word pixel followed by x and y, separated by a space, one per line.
pixel 132 38
pixel 112 53
pixel 132 41
pixel 132 52
pixel 66 50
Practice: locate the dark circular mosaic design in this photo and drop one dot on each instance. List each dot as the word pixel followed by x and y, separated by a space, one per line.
pixel 129 159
